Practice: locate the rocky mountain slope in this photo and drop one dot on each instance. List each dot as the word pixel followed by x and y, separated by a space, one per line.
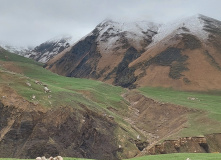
pixel 183 55
pixel 44 51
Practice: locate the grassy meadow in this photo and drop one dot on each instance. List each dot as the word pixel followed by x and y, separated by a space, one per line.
pixel 67 89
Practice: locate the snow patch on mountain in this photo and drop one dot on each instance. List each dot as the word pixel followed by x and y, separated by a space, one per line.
pixel 113 34
pixel 49 49
pixel 193 25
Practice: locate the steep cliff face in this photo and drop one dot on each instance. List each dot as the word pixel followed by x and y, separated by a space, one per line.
pixel 62 131
pixel 182 55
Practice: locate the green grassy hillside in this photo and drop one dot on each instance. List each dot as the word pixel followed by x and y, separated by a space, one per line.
pixel 31 71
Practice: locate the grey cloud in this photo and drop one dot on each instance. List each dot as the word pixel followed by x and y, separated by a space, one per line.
pixel 31 22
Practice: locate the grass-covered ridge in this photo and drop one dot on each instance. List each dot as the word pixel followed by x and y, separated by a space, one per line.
pixel 60 86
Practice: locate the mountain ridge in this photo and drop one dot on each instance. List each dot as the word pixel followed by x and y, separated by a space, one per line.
pixel 100 48
pixel 124 55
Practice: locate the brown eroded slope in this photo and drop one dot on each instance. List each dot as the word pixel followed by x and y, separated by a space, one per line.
pixel 198 72
pixel 187 65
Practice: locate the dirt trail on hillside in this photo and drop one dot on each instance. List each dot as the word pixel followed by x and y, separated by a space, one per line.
pixel 158 122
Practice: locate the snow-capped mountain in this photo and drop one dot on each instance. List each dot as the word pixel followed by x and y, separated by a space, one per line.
pixel 98 53
pixel 184 54
pixel 44 51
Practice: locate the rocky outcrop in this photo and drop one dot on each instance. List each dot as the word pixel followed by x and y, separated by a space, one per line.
pixel 206 144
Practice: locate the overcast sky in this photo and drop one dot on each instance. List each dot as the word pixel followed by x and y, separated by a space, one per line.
pixel 31 22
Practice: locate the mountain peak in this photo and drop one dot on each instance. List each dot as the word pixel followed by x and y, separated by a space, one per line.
pixel 192 25
pixel 138 33
pixel 127 24
pixel 106 21
pixel 60 38
pixel 203 16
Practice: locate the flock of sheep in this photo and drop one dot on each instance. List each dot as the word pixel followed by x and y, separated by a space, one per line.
pixel 51 158
pixel 60 158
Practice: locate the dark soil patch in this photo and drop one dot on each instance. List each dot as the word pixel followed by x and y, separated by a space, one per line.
pixel 191 41
pixel 212 60
pixel 170 57
pixel 124 75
